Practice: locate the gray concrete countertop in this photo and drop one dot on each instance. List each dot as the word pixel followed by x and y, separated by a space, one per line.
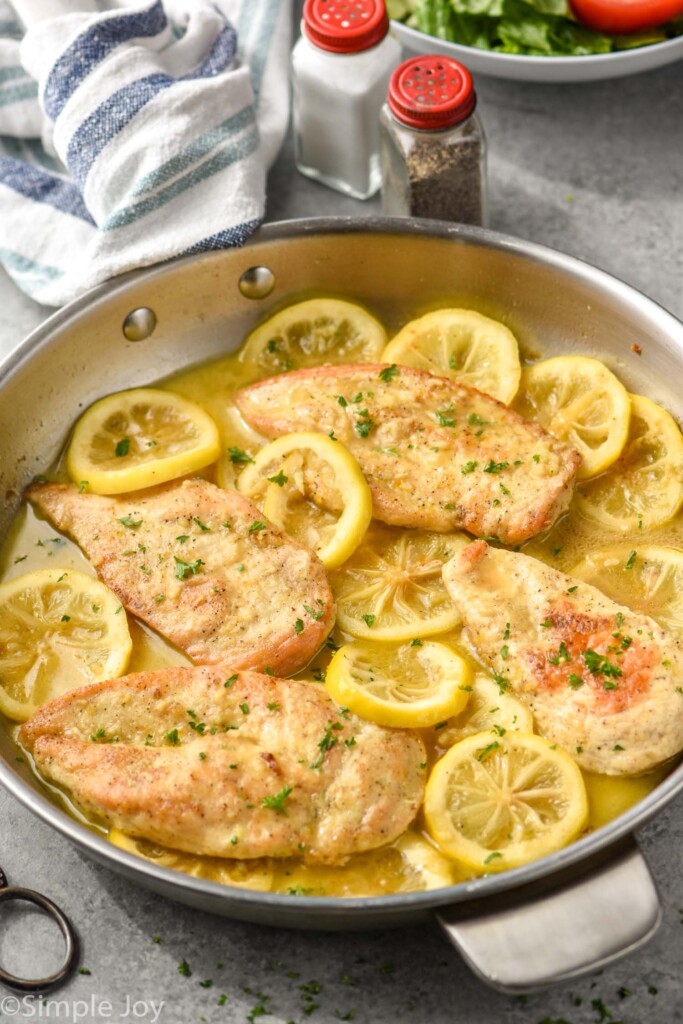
pixel 594 170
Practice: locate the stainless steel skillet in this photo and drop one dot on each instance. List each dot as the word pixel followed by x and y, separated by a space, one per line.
pixel 545 922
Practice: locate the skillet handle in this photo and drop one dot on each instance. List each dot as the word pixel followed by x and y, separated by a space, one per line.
pixel 521 943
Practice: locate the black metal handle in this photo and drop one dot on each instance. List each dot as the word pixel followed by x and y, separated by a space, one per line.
pixel 51 909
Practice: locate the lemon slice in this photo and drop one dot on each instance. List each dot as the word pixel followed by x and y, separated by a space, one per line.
pixel 645 577
pixel 496 803
pixel 139 438
pixel 245 874
pixel 313 332
pixel 580 401
pixel 392 587
pixel 59 629
pixel 404 686
pixel 490 709
pixel 462 344
pixel 644 488
pixel 295 474
pixel 423 866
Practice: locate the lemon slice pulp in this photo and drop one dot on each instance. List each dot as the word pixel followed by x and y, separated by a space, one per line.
pixel 296 474
pixel 313 332
pixel 579 401
pixel 423 866
pixel 135 439
pixel 392 588
pixel 462 344
pixel 496 803
pixel 405 686
pixel 646 578
pixel 59 629
pixel 245 874
pixel 644 489
pixel 487 709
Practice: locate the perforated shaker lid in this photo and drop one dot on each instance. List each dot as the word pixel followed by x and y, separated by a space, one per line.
pixel 345 26
pixel 431 92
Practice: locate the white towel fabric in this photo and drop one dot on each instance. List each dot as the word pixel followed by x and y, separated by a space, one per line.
pixel 134 134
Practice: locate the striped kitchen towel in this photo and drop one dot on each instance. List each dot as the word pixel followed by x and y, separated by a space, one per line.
pixel 135 133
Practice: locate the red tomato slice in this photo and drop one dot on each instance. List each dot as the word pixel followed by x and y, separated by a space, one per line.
pixel 623 16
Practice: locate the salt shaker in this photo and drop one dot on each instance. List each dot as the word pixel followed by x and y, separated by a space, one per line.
pixel 433 148
pixel 341 67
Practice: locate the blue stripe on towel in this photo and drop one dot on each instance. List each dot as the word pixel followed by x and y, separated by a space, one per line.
pixel 10 30
pixel 18 93
pixel 10 74
pixel 259 53
pixel 238 150
pixel 195 151
pixel 91 47
pixel 227 239
pixel 107 121
pixel 43 187
pixel 31 274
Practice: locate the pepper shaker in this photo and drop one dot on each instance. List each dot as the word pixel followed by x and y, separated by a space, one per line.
pixel 341 67
pixel 433 148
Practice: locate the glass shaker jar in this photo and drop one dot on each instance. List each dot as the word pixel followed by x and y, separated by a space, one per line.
pixel 341 67
pixel 432 144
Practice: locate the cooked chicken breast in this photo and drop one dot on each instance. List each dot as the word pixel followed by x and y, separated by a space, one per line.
pixel 230 764
pixel 204 568
pixel 437 454
pixel 602 681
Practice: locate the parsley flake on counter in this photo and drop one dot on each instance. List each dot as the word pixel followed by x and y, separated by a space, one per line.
pixel 184 969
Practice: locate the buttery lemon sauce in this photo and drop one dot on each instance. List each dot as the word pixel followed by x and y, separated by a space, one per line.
pixel 407 865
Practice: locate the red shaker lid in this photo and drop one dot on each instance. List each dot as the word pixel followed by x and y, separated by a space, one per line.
pixel 431 92
pixel 345 26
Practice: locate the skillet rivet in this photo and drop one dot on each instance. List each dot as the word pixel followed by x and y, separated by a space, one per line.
pixel 139 324
pixel 257 282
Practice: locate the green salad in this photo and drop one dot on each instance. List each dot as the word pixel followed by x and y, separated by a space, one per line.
pixel 542 28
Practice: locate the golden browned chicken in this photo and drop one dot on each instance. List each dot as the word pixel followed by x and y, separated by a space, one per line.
pixel 203 567
pixel 603 682
pixel 230 764
pixel 437 454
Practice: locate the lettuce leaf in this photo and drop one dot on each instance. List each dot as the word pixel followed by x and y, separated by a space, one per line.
pixel 544 28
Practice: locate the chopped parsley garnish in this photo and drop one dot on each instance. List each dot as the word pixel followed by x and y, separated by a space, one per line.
pixel 315 614
pixel 562 655
pixel 485 751
pixel 416 643
pixel 173 737
pixel 575 681
pixel 342 401
pixel 328 741
pixel 469 467
pixel 131 523
pixel 277 802
pixel 599 665
pixel 506 634
pixel 299 626
pixel 273 705
pixel 363 427
pixel 369 619
pixel 184 969
pixel 492 856
pixel 82 486
pixel 388 372
pixel 244 708
pixel 238 455
pixel 501 681
pixel 183 570
pixel 536 458
pixel 445 417
pixel 66 618
pixel 181 538
pixel 495 467
pixel 122 447
pixel 233 679
pixel 256 526
pixel 202 526
pixel 475 420
pixel 630 561
pixel 280 479
pixel 572 590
